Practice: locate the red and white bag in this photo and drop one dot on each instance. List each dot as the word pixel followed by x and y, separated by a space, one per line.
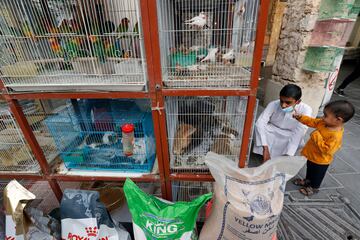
pixel 83 216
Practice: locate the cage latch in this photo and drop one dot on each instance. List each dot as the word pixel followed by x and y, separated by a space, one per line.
pixel 157 108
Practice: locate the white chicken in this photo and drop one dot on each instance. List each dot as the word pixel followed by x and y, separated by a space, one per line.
pixel 198 21
pixel 230 55
pixel 211 56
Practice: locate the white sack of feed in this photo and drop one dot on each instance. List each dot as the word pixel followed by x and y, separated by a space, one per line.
pixel 247 202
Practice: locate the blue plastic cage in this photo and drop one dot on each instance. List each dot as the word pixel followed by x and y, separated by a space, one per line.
pixel 91 138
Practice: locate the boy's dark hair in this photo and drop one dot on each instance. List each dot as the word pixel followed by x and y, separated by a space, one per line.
pixel 341 108
pixel 291 90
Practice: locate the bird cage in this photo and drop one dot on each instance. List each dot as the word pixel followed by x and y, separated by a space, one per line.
pixel 94 137
pixel 72 45
pixel 197 125
pixel 322 59
pixel 207 43
pixel 188 191
pixel 15 154
pixel 330 9
pixel 335 32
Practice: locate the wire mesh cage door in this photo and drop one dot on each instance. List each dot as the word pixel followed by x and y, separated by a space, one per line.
pixel 207 43
pixel 188 191
pixel 72 45
pixel 197 125
pixel 15 154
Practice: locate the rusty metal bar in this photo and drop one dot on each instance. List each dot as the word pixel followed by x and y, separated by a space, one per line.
pixel 205 92
pixel 34 145
pixel 83 95
pixel 256 64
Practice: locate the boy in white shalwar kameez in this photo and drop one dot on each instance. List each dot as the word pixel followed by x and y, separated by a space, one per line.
pixel 277 133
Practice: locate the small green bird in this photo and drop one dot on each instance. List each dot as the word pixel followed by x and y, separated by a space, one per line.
pixel 71 50
pixel 136 28
pixel 98 48
pixel 124 26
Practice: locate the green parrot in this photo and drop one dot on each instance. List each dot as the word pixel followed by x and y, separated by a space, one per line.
pixel 98 48
pixel 124 26
pixel 71 50
pixel 136 28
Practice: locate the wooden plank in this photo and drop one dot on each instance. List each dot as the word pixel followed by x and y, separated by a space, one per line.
pixel 277 16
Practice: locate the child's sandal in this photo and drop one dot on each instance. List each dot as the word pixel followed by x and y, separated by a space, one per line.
pixel 308 191
pixel 300 182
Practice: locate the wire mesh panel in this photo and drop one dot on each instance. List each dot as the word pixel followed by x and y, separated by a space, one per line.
pixel 36 115
pixel 93 137
pixel 71 45
pixel 197 125
pixel 207 43
pixel 188 191
pixel 15 154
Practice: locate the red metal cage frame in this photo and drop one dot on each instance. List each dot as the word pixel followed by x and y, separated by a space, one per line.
pixel 157 95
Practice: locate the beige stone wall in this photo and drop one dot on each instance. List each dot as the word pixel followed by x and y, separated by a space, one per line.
pixel 298 23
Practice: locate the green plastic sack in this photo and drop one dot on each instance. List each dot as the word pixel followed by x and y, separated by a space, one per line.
pixel 155 218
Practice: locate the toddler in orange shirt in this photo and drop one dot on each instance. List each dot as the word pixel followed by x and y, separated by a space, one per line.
pixel 324 141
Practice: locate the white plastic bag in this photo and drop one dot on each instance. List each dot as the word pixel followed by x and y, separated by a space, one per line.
pixel 247 202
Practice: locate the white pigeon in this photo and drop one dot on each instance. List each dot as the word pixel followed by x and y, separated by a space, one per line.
pixel 211 56
pixel 198 21
pixel 230 55
pixel 202 67
pixel 246 46
pixel 193 68
pixel 241 9
pixel 195 48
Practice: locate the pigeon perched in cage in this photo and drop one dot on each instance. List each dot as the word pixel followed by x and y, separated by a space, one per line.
pixel 230 55
pixel 240 10
pixel 211 56
pixel 198 21
pixel 246 46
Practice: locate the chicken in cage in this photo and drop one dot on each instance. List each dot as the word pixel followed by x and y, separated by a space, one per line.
pixel 72 45
pixel 207 43
pixel 197 125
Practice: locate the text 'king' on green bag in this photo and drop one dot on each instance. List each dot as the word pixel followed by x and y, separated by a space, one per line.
pixel 155 218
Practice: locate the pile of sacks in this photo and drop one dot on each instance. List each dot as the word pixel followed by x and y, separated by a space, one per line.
pixel 247 204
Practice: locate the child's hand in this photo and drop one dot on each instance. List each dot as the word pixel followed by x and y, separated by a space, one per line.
pixel 297 115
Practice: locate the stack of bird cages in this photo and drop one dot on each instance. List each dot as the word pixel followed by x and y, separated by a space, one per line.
pixel 207 43
pixel 72 45
pixel 92 138
pixel 334 32
pixel 188 191
pixel 15 154
pixel 197 125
